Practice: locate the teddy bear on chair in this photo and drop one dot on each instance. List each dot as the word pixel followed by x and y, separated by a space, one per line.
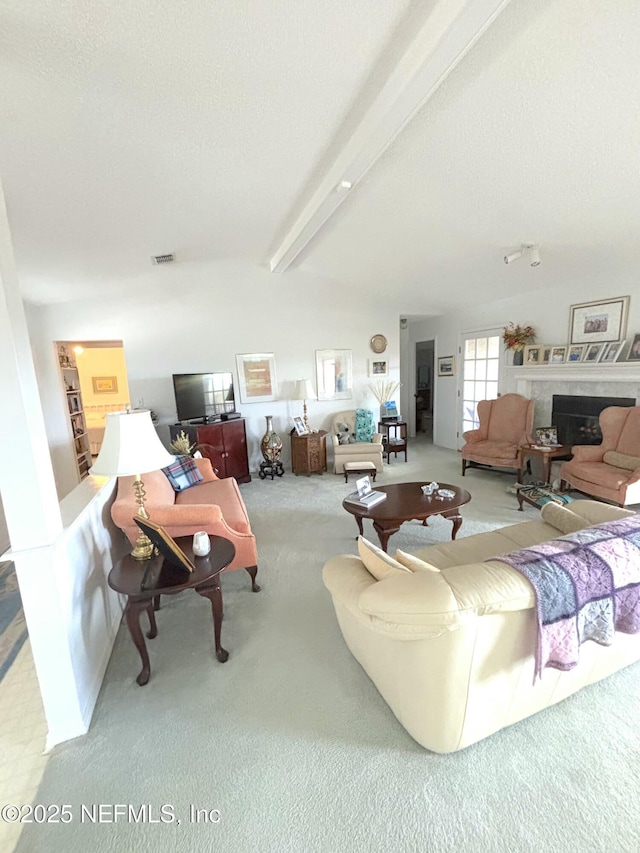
pixel 344 434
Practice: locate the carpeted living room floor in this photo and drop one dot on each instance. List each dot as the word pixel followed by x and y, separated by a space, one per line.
pixel 293 745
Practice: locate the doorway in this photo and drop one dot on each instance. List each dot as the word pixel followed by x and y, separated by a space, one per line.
pixel 99 371
pixel 424 388
pixel 481 375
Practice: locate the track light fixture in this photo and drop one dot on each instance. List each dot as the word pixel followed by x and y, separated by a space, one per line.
pixel 534 254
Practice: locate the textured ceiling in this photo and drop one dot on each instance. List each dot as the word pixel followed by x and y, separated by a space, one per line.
pixel 128 130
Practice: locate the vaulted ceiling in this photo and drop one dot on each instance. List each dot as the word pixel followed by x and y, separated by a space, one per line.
pixel 380 144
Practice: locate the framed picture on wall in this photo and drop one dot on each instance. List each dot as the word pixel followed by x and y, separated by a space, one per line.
pixel 105 384
pixel 378 367
pixel 597 322
pixel 447 365
pixel 334 374
pixel 257 377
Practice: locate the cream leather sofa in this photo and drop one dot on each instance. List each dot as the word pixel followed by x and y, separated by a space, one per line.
pixel 452 649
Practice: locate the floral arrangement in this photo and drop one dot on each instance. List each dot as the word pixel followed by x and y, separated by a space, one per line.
pixel 181 444
pixel 383 391
pixel 517 337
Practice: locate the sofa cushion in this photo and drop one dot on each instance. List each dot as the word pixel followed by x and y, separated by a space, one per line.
pixel 621 460
pixel 379 564
pixel 494 449
pixel 183 473
pixel 415 564
pixel 598 473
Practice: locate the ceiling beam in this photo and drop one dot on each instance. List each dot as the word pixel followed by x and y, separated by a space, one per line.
pixel 448 32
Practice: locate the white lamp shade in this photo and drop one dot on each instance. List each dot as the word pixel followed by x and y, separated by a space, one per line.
pixel 304 390
pixel 130 446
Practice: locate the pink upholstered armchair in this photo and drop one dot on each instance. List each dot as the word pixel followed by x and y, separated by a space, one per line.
pixel 610 470
pixel 505 425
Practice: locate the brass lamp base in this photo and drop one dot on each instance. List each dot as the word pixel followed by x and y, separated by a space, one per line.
pixel 144 548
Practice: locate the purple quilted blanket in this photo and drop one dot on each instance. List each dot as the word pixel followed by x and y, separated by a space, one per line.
pixel 587 586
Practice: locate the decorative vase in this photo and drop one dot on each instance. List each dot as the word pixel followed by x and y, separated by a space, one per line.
pixel 271 444
pixel 518 357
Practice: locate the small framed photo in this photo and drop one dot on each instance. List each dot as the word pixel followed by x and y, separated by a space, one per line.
pixel 575 352
pixel 378 367
pixel 545 353
pixel 533 354
pixel 611 352
pixel 446 365
pixel 593 352
pixel 299 426
pixel 634 349
pixel 547 436
pixel 557 355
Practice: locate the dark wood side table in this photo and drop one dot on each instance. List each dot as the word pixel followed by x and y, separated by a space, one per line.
pixel 308 452
pixel 394 438
pixel 162 578
pixel 525 452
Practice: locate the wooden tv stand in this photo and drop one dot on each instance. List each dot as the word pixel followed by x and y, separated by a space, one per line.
pixel 223 442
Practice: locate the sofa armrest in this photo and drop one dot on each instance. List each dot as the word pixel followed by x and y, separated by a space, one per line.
pixel 588 452
pixel 376 438
pixel 597 512
pixel 473 435
pixel 206 470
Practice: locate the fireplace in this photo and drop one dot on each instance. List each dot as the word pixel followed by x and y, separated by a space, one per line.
pixel 576 417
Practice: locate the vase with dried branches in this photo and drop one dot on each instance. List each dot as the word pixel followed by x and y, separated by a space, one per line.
pixel 383 392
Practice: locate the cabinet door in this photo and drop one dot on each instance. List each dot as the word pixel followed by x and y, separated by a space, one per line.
pixel 235 451
pixel 211 445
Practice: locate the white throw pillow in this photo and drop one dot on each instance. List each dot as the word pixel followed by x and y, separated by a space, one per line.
pixel 414 564
pixel 376 562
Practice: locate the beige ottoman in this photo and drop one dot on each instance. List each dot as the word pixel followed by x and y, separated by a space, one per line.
pixel 361 468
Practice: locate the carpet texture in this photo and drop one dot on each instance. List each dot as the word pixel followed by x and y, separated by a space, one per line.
pixel 291 741
pixel 13 628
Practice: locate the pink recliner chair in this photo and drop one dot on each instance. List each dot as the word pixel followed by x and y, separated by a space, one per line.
pixel 610 470
pixel 505 425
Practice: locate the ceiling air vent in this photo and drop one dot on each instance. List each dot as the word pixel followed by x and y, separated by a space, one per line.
pixel 162 259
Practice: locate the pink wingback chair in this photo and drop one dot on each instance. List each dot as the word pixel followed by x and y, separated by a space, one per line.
pixel 610 470
pixel 505 424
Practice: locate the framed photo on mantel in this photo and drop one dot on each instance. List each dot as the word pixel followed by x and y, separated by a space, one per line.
pixel 595 322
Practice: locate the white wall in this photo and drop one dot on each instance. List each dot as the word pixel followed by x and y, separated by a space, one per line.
pixel 547 311
pixel 198 318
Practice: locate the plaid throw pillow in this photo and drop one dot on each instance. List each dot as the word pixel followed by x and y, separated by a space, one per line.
pixel 183 473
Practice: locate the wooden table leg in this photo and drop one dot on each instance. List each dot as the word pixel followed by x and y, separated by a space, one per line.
pixel 132 613
pixel 359 523
pixel 214 594
pixel 456 518
pixel 384 533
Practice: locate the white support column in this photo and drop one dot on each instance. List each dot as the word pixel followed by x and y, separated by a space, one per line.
pixel 31 505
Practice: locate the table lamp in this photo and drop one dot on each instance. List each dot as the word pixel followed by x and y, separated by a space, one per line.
pixel 304 391
pixel 131 447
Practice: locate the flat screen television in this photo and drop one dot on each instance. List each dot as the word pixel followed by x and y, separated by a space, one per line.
pixel 203 396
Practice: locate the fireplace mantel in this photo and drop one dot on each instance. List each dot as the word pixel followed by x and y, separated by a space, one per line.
pixel 524 377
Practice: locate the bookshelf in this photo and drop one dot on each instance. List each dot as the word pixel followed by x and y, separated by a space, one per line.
pixel 75 411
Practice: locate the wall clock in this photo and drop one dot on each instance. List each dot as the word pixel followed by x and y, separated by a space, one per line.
pixel 378 343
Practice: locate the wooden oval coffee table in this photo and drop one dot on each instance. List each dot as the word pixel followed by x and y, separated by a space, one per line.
pixel 404 502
